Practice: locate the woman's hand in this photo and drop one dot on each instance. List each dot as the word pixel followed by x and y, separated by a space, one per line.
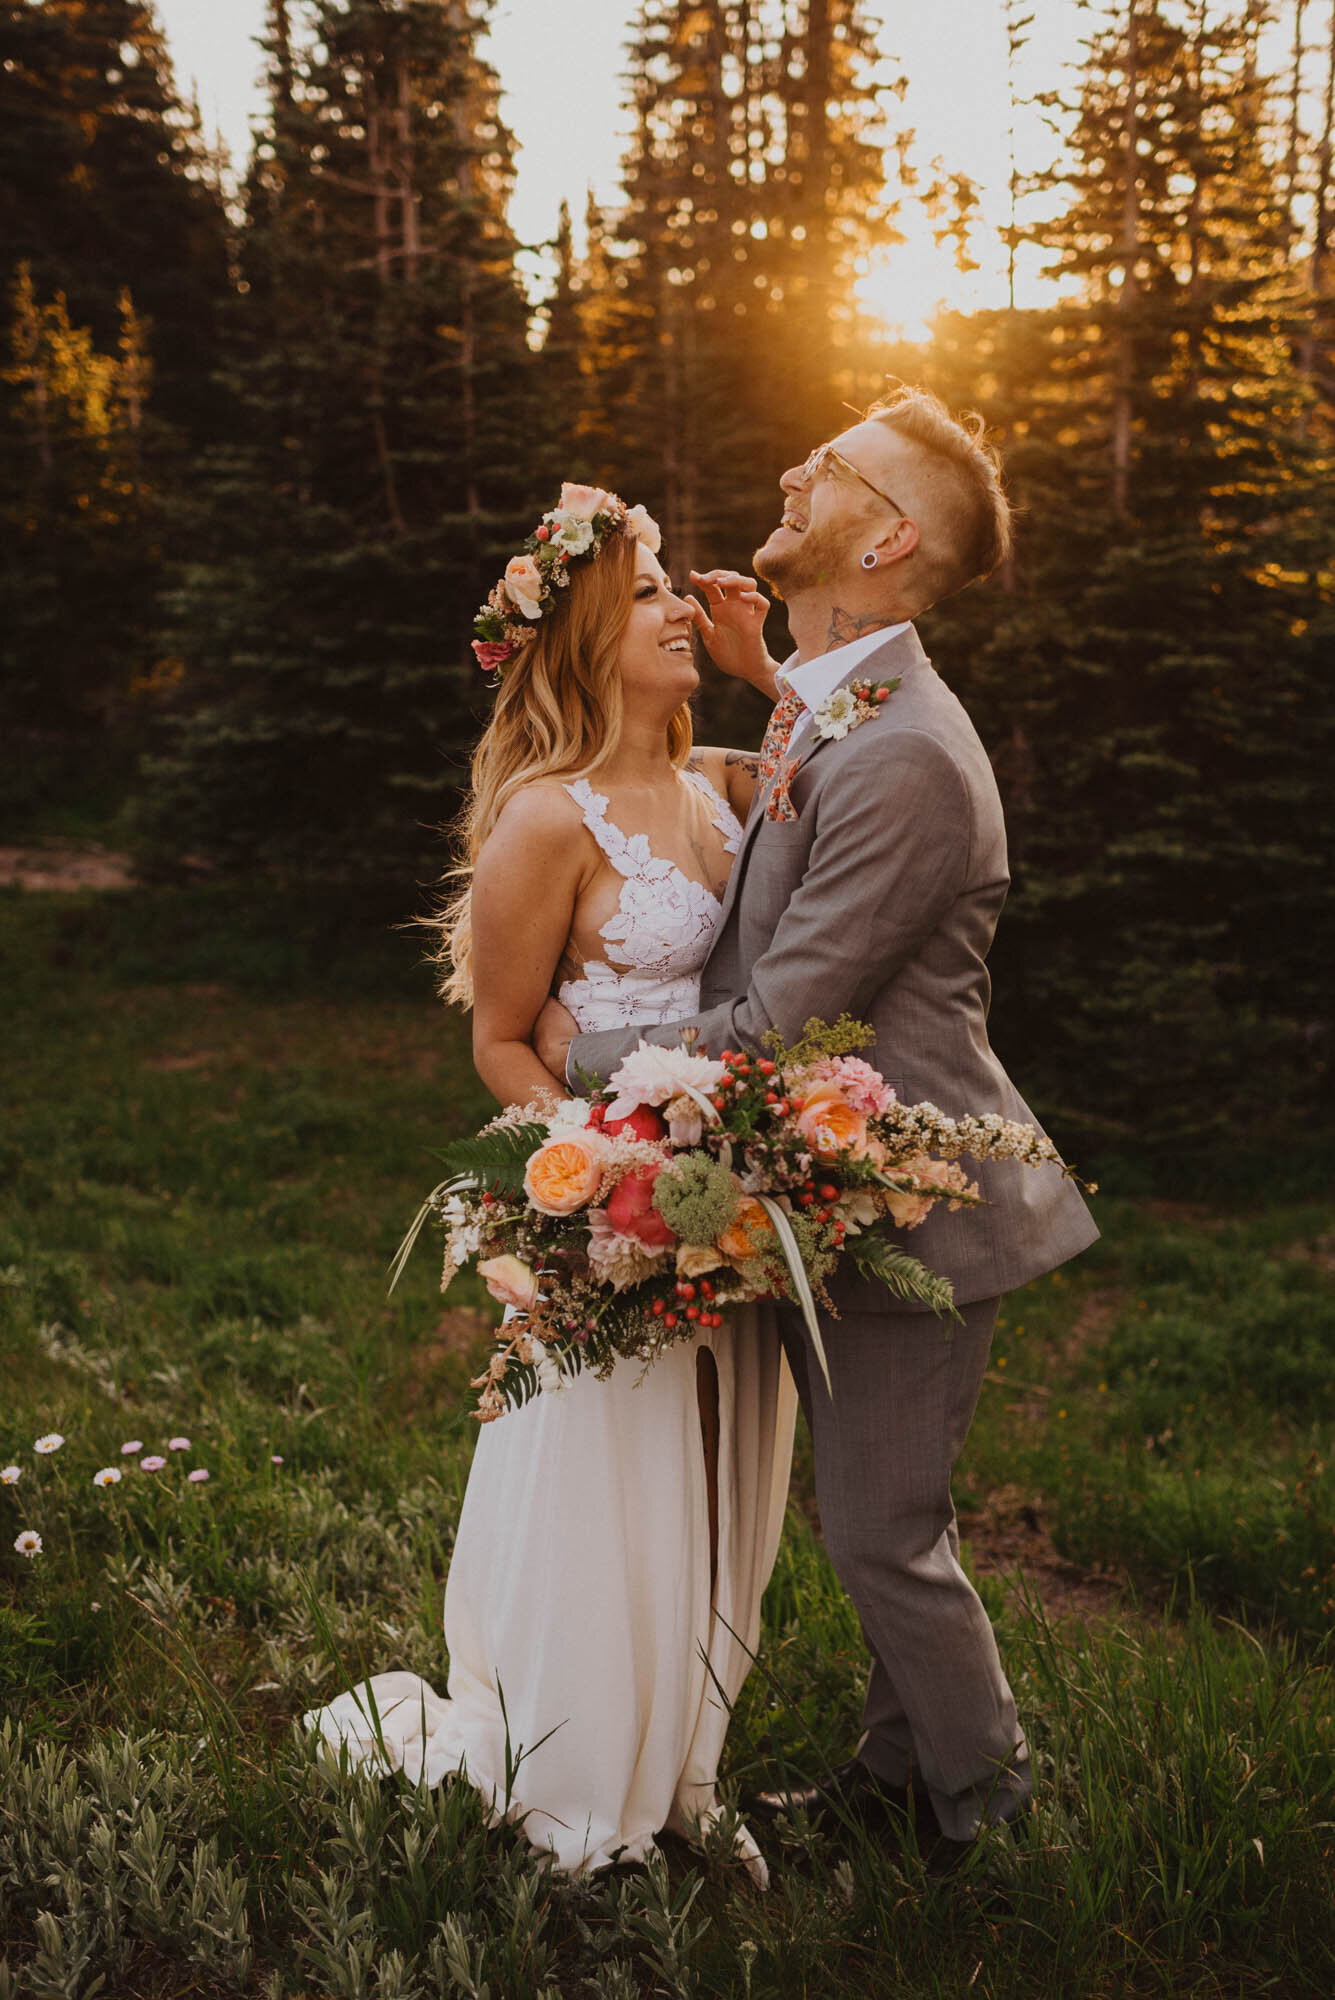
pixel 732 624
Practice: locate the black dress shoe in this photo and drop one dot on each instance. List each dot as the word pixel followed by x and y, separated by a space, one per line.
pixel 852 1791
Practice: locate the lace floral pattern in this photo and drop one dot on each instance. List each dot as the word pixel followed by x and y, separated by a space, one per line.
pixel 661 931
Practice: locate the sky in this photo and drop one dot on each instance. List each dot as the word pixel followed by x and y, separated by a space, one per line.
pixel 560 63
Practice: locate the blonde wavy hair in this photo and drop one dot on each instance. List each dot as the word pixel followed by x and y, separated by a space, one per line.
pixel 557 715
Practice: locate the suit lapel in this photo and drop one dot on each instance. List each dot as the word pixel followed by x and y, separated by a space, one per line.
pixel 899 656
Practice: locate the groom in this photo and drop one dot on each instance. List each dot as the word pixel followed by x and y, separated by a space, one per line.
pixel 869 881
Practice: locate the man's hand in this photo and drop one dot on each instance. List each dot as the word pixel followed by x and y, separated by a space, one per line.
pixel 732 624
pixel 553 1032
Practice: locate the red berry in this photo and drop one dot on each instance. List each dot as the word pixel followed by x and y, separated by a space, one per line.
pixel 718 1103
pixel 822 1215
pixel 692 1312
pixel 657 1306
pixel 685 1290
pixel 882 694
pixel 765 1066
pixel 771 1097
pixel 669 1319
pixel 544 533
pixel 785 1107
pixel 806 1198
pixel 829 1193
pixel 706 1288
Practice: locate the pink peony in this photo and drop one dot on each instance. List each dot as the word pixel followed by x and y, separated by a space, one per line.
pixel 631 1211
pixel 864 1087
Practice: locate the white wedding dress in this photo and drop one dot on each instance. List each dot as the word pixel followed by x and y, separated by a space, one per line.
pixel 592 1670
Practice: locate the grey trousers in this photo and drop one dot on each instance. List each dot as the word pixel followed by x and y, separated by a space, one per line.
pixel 939 1710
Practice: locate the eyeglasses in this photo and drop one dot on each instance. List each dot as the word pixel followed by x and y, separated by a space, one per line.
pixel 825 453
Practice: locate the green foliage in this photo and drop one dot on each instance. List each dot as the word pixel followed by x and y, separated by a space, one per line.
pixel 820 1040
pixel 496 1158
pixel 162 1819
pixel 904 1276
pixel 697 1197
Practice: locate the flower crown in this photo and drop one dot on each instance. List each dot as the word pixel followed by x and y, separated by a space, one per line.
pixel 574 531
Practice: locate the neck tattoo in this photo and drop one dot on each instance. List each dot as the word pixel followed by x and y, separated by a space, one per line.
pixel 846 625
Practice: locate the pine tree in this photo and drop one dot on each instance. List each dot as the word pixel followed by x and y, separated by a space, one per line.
pixel 1157 659
pixel 384 395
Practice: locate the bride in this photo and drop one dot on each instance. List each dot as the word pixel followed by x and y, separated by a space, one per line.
pixel 603 1598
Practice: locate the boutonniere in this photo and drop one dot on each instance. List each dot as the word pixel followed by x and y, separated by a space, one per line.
pixel 852 705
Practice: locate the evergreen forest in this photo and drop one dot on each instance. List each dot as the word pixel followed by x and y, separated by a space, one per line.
pixel 269 429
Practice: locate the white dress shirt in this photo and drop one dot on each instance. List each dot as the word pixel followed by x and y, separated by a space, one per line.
pixel 811 680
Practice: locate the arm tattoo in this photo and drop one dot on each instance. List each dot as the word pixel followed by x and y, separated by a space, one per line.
pixel 748 760
pixel 694 761
pixel 846 625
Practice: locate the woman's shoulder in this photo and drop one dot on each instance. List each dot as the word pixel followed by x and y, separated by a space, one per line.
pixel 540 816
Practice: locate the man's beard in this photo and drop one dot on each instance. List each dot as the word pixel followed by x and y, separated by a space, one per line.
pixel 815 557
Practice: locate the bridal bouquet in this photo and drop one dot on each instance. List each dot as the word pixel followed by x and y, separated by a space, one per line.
pixel 615 1226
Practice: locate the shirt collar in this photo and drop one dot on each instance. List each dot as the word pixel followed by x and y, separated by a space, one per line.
pixel 812 680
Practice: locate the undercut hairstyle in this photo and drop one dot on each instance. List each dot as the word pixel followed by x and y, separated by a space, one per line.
pixel 968 470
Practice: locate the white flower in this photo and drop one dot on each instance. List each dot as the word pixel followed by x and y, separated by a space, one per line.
pixel 51 1442
pixel 178 1444
pixel 571 532
pixel 645 529
pixel 10 1475
pixel 131 1446
pixel 571 1111
pixel 651 1075
pixel 152 1463
pixel 695 1259
pixel 550 1377
pixel 110 1475
pixel 837 714
pixel 29 1543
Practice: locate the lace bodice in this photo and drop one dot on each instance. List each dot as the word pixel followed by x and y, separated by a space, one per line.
pixel 662 929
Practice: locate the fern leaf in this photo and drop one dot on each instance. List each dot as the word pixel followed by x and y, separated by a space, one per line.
pixel 495 1160
pixel 904 1276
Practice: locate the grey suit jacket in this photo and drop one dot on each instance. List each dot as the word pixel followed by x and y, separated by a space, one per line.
pixel 880 900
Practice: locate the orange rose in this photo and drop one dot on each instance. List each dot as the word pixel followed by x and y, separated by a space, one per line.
pixel 830 1125
pixel 565 1172
pixel 510 1282
pixel 745 1235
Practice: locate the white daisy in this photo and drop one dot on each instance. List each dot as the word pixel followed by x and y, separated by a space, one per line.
pixel 178 1444
pixel 51 1442
pixel 131 1446
pixel 29 1543
pixel 10 1475
pixel 110 1475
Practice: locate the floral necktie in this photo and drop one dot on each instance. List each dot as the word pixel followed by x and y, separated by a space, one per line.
pixel 773 773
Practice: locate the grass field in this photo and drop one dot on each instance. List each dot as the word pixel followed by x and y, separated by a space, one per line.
pixel 212 1139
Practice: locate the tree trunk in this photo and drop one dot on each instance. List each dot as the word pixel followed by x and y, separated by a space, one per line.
pixel 1130 287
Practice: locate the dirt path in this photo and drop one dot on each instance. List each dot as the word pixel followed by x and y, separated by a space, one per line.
pixel 64 866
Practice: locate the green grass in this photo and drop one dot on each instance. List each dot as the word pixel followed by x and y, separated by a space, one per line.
pixel 204 1179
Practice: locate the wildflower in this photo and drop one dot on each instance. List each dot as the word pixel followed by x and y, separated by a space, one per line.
pixel 10 1475
pixel 29 1543
pixel 152 1463
pixel 275 1458
pixel 178 1444
pixel 697 1197
pixel 198 1476
pixel 131 1446
pixel 51 1442
pixel 110 1475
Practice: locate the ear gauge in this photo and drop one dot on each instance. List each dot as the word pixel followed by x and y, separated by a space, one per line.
pixel 869 560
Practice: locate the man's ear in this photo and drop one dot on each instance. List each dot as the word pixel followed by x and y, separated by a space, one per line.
pixel 900 541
